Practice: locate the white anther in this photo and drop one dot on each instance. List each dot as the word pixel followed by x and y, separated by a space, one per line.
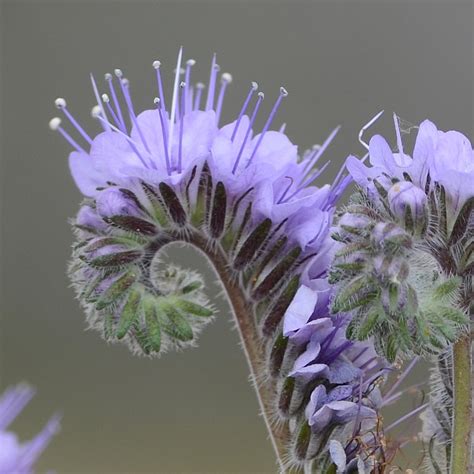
pixel 283 92
pixel 60 103
pixel 226 77
pixel 156 64
pixel 95 112
pixel 254 85
pixel 54 123
pixel 108 76
pixel 182 84
pixel 105 98
pixel 261 94
pixel 125 82
pixel 190 62
pixel 200 85
pixel 156 100
pixel 118 72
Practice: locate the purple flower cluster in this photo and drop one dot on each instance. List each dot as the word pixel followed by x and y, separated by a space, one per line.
pixel 440 157
pixel 166 144
pixel 341 372
pixel 16 457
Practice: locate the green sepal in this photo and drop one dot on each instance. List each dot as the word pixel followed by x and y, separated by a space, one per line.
pixel 176 325
pixel 116 259
pixel 133 224
pixel 192 308
pixel 447 289
pixel 193 286
pixel 152 325
pixel 130 313
pixel 116 290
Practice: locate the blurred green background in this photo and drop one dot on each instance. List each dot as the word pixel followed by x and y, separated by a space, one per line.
pixel 341 61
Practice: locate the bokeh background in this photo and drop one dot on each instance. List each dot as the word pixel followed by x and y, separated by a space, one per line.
pixel 341 61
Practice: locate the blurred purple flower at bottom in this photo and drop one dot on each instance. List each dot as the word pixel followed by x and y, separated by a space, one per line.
pixel 16 457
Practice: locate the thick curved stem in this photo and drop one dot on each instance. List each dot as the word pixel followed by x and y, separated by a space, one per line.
pixel 462 407
pixel 253 348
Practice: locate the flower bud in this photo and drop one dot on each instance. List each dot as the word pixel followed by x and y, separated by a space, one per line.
pixel 88 218
pixel 390 237
pixel 112 202
pixel 353 223
pixel 406 198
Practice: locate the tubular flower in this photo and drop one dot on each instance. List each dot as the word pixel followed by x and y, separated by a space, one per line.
pixel 19 457
pixel 174 174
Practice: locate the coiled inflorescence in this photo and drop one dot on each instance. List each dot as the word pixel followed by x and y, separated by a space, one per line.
pixel 248 203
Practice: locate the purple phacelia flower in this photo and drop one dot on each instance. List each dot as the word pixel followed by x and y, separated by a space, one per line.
pixel 16 457
pixel 329 377
pixel 440 157
pixel 176 173
pixel 404 197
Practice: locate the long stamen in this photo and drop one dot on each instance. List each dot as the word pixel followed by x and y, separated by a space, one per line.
pixel 187 80
pixel 405 417
pixel 226 79
pixel 109 79
pixel 283 93
pixel 128 100
pixel 181 125
pixel 134 146
pixel 164 134
pixel 55 125
pixel 61 105
pixel 97 98
pixel 286 190
pixel 174 100
pixel 399 137
pixel 249 129
pixel 212 84
pixel 197 100
pixel 366 126
pixel 157 65
pixel 316 172
pixel 106 101
pixel 253 88
pixel 313 159
pixel 312 177
pixel 402 377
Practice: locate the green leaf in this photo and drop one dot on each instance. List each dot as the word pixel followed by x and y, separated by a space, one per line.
pixel 129 314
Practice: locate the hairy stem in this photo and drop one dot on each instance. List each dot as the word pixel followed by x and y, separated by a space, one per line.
pixel 462 407
pixel 253 348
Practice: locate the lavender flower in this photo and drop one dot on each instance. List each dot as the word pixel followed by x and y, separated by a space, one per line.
pixel 16 457
pixel 406 275
pixel 175 174
pixel 329 386
pixel 406 241
pixel 446 158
